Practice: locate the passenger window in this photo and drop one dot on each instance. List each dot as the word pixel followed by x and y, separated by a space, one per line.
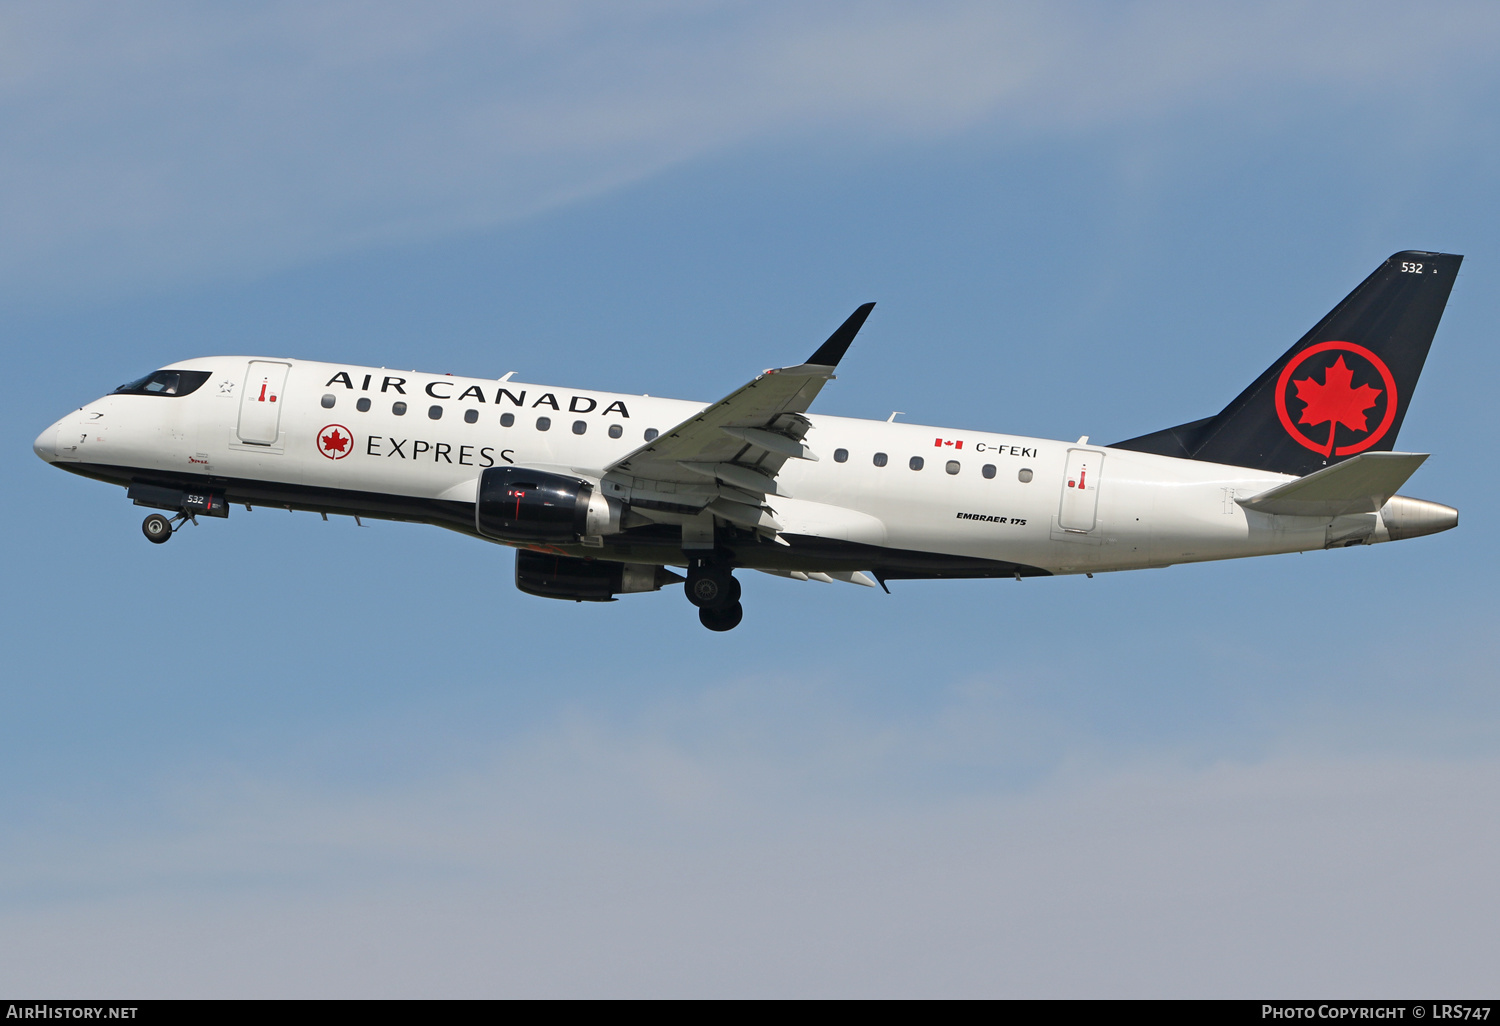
pixel 988 471
pixel 880 459
pixel 579 427
pixel 1024 476
pixel 651 434
pixel 363 406
pixel 434 413
pixel 544 423
pixel 328 401
pixel 615 431
pixel 507 419
pixel 471 416
pixel 399 409
pixel 952 467
pixel 840 455
pixel 915 463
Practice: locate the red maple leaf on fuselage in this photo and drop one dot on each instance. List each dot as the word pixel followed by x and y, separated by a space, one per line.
pixel 335 441
pixel 1334 402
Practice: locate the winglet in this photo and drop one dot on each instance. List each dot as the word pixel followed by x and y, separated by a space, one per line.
pixel 831 352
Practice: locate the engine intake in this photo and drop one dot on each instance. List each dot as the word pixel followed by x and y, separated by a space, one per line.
pixel 586 580
pixel 516 504
pixel 520 505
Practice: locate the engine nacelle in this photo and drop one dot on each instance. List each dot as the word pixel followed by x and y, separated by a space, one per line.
pixel 586 580
pixel 516 504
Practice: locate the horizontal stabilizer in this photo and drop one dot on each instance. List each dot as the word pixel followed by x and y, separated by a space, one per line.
pixel 1361 484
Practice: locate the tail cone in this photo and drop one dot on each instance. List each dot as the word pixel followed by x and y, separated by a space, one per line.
pixel 1412 518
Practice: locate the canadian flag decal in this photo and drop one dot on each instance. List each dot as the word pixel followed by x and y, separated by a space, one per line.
pixel 948 442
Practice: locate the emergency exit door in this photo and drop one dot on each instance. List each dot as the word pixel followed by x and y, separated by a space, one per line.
pixel 261 402
pixel 1080 492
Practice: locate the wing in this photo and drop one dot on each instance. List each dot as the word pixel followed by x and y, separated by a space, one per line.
pixel 725 459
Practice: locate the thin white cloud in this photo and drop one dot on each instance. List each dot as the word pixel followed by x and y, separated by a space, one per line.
pixel 1298 878
pixel 712 850
pixel 166 141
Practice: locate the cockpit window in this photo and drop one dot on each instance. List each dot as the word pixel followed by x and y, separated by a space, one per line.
pixel 166 382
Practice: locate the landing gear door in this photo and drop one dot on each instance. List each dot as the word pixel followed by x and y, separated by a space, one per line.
pixel 261 401
pixel 1080 491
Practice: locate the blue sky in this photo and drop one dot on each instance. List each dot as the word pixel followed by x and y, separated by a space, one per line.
pixel 287 758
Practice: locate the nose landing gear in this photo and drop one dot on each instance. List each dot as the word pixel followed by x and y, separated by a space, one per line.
pixel 712 588
pixel 186 503
pixel 158 528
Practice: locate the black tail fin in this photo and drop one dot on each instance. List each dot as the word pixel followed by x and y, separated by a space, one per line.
pixel 1343 389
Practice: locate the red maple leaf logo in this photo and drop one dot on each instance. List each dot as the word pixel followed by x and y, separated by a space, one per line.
pixel 1334 402
pixel 337 441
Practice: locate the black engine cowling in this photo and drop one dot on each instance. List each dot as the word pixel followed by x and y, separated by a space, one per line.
pixel 586 580
pixel 516 504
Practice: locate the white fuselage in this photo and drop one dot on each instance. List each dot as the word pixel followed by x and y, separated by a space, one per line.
pixel 1060 507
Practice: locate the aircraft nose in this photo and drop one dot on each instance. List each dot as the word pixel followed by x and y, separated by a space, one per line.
pixel 45 445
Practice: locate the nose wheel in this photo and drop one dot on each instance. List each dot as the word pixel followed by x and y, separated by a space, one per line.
pixel 158 528
pixel 713 589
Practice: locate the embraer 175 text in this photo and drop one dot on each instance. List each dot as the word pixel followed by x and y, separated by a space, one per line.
pixel 601 493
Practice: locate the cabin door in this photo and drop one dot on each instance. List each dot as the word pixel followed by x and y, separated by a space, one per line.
pixel 1080 491
pixel 261 402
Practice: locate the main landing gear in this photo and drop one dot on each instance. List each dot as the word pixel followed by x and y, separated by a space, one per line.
pixel 158 528
pixel 712 588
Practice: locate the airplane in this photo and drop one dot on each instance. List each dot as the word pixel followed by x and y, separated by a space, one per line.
pixel 605 494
